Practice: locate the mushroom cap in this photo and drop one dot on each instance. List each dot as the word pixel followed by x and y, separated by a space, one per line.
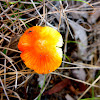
pixel 41 50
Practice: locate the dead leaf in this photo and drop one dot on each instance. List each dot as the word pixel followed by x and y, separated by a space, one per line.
pixel 93 18
pixel 58 87
pixel 68 97
pixel 69 84
pixel 80 33
pixel 80 74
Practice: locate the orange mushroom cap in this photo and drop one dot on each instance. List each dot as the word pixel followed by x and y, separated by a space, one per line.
pixel 40 48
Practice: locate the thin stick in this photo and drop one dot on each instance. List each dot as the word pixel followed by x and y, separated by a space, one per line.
pixel 89 88
pixel 73 79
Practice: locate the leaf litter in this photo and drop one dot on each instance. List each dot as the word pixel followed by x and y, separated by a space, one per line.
pixel 20 83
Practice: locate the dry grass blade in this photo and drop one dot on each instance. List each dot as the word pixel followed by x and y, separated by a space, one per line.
pixel 10 49
pixel 10 60
pixel 4 89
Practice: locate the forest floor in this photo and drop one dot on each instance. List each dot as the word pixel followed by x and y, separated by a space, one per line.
pixel 78 77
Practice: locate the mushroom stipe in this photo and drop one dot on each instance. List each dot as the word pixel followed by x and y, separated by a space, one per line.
pixel 41 49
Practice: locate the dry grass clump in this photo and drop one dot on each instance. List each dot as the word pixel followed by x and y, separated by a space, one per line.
pixel 79 24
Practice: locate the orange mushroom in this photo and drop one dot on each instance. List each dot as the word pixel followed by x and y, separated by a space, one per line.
pixel 40 48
